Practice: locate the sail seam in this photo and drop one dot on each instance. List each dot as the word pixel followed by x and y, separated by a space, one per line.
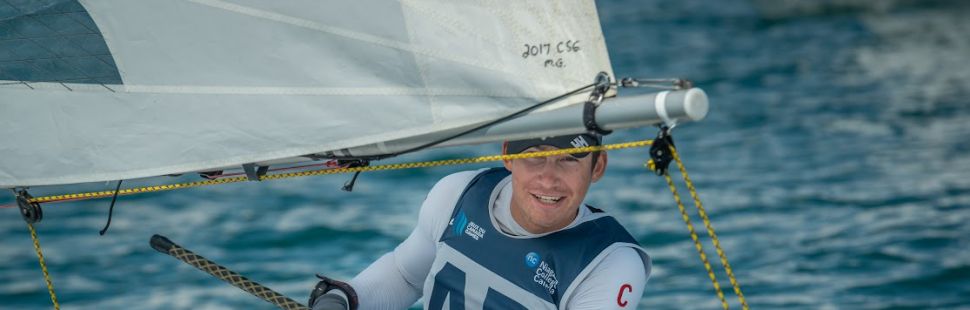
pixel 543 90
pixel 266 90
pixel 419 63
pixel 322 91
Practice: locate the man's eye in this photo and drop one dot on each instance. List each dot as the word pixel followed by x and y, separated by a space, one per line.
pixel 534 160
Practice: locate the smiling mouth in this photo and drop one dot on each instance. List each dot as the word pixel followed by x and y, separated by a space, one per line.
pixel 547 199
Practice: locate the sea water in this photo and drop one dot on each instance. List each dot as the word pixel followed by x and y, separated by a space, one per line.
pixel 833 164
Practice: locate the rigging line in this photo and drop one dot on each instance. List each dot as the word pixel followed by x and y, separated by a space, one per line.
pixel 90 195
pixel 694 238
pixel 398 166
pixel 710 229
pixel 43 266
pixel 340 170
pixel 111 209
pixel 166 246
pixel 488 124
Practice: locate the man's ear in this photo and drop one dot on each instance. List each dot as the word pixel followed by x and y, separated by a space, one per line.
pixel 505 151
pixel 600 168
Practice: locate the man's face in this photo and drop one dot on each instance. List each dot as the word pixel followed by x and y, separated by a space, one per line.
pixel 547 191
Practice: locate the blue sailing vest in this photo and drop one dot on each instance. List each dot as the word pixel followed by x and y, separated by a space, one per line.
pixel 479 267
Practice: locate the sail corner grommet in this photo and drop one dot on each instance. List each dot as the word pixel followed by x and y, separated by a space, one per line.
pixel 602 82
pixel 29 210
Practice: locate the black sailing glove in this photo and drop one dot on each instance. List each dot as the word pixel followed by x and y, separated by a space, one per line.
pixel 320 300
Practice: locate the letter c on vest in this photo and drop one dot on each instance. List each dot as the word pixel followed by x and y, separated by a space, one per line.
pixel 619 296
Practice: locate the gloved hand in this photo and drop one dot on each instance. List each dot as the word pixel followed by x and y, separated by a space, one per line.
pixel 321 300
pixel 330 301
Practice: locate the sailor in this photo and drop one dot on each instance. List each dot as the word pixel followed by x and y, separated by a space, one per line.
pixel 513 237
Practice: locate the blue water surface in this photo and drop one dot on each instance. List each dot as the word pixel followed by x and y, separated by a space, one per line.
pixel 833 163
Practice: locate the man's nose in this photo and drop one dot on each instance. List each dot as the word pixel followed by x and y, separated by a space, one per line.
pixel 550 172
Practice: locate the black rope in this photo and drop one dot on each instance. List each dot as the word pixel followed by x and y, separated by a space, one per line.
pixel 365 160
pixel 476 128
pixel 111 209
pixel 349 185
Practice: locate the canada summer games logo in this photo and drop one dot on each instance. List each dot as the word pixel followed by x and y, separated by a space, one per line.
pixel 461 224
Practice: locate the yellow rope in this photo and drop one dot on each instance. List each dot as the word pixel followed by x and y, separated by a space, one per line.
pixel 43 266
pixel 425 164
pixel 710 232
pixel 693 236
pixel 437 163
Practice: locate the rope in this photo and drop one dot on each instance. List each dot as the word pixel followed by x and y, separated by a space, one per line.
pixel 235 279
pixel 697 243
pixel 710 232
pixel 438 163
pixel 280 176
pixel 43 266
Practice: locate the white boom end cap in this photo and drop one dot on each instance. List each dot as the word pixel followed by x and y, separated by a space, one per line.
pixel 695 104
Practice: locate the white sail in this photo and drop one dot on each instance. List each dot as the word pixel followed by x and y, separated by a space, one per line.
pixel 217 83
